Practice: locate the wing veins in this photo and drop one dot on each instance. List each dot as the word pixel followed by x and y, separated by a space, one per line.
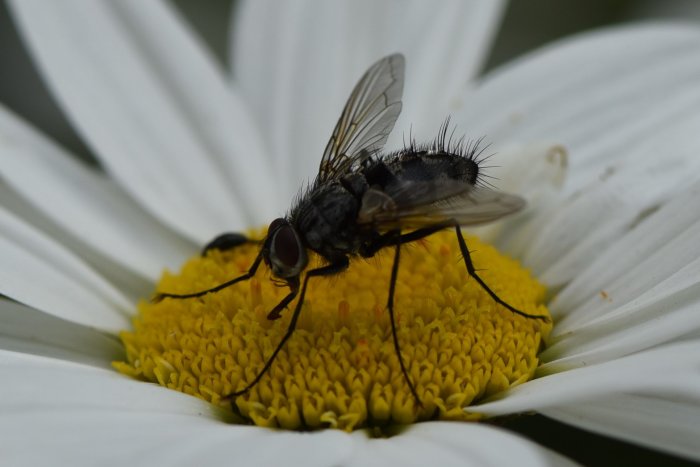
pixel 471 206
pixel 372 104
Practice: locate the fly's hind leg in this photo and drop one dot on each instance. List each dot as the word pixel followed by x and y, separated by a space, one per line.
pixel 472 272
pixel 227 241
pixel 391 239
pixel 396 239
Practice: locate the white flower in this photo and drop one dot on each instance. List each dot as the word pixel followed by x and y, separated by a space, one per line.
pixel 190 156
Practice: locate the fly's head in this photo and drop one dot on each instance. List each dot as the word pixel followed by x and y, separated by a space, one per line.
pixel 283 251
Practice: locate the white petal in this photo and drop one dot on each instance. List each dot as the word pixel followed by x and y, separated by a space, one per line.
pixel 533 171
pixel 94 414
pixel 666 425
pixel 620 201
pixel 47 384
pixel 84 203
pixel 136 106
pixel 641 292
pixel 217 114
pixel 670 372
pixel 297 63
pixel 656 248
pixel 665 314
pixel 536 172
pixel 98 437
pixel 25 330
pixel 132 285
pixel 577 229
pixel 597 94
pixel 446 444
pixel 267 447
pixel 82 414
pixel 622 102
pixel 40 273
pixel 562 237
pixel 87 437
pixel 446 47
pixel 105 437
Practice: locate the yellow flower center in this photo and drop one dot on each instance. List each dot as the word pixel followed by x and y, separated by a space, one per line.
pixel 339 369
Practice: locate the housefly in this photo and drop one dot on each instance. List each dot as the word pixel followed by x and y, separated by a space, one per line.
pixel 363 200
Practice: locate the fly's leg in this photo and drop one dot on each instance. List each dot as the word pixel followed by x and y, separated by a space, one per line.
pixel 251 272
pixel 472 272
pixel 397 239
pixel 390 238
pixel 275 313
pixel 334 268
pixel 227 241
pixel 392 318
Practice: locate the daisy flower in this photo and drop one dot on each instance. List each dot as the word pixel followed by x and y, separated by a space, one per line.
pixel 598 132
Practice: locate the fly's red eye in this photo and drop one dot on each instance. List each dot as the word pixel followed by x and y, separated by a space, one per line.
pixel 286 246
pixel 276 224
pixel 283 250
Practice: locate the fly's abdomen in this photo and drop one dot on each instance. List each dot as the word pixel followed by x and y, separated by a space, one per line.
pixel 421 166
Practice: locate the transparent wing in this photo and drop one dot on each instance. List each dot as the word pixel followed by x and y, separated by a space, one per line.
pixel 367 119
pixel 420 204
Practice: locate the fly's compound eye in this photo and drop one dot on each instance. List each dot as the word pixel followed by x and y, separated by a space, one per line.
pixel 287 254
pixel 285 247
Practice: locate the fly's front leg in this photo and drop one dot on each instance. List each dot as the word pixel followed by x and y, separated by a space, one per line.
pixel 227 241
pixel 276 312
pixel 251 272
pixel 337 266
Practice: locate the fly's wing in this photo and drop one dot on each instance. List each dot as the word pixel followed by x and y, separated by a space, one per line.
pixel 414 205
pixel 367 119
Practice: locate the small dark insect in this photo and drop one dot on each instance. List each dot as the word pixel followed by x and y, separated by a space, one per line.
pixel 363 201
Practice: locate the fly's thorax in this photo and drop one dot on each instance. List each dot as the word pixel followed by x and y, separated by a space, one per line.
pixel 355 183
pixel 326 219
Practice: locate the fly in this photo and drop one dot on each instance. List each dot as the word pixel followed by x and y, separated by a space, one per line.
pixel 363 200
